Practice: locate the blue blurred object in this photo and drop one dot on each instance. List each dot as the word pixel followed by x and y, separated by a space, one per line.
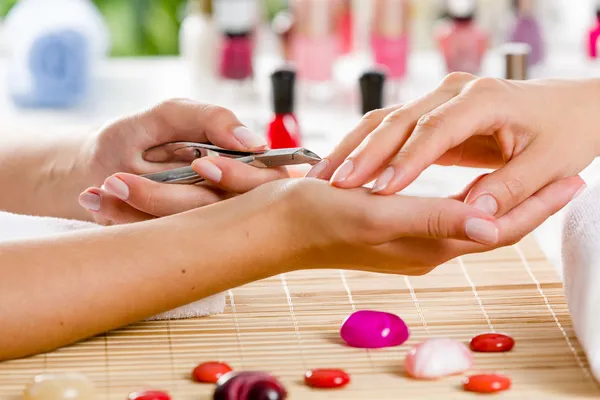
pixel 59 71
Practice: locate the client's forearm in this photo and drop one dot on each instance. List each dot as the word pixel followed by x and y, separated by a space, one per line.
pixel 59 290
pixel 44 175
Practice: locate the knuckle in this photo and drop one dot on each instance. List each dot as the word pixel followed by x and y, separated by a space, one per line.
pixel 214 112
pixel 436 226
pixel 171 103
pixel 430 121
pixel 396 116
pixel 514 190
pixel 375 115
pixel 484 85
pixel 456 80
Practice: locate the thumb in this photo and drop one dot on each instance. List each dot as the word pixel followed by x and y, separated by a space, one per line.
pixel 400 216
pixel 502 190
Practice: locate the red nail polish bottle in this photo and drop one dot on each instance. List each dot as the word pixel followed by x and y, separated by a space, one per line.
pixel 371 84
pixel 284 131
pixel 236 20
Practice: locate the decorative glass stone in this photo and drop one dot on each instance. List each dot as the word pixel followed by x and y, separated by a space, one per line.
pixel 326 378
pixel 486 383
pixel 435 358
pixel 149 395
pixel 374 329
pixel 249 385
pixel 492 342
pixel 210 372
pixel 64 386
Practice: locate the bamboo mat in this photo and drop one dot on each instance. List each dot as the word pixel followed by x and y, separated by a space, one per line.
pixel 290 323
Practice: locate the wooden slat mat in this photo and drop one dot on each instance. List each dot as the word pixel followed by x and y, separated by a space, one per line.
pixel 288 324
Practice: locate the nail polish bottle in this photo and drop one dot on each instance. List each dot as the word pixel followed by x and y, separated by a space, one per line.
pixel 389 36
pixel 315 45
pixel 345 36
pixel 526 29
pixel 236 20
pixel 594 35
pixel 284 131
pixel 371 84
pixel 462 42
pixel 283 26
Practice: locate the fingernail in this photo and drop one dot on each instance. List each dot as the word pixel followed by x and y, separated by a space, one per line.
pixel 486 203
pixel 383 180
pixel 342 173
pixel 579 191
pixel 316 170
pixel 208 170
pixel 89 201
pixel 481 230
pixel 249 138
pixel 117 187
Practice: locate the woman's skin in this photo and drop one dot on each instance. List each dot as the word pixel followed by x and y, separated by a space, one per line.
pixel 532 132
pixel 129 272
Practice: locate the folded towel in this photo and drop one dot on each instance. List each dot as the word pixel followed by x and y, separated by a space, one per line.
pixel 13 226
pixel 581 264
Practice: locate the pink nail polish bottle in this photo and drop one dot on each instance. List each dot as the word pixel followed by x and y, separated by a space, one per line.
pixel 389 36
pixel 526 29
pixel 345 36
pixel 594 35
pixel 462 42
pixel 315 45
pixel 236 20
pixel 284 131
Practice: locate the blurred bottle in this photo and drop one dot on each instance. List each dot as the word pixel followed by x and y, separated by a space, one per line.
pixel 198 38
pixel 371 84
pixel 389 35
pixel 594 35
pixel 54 46
pixel 527 30
pixel 315 45
pixel 283 25
pixel 236 20
pixel 461 41
pixel 284 131
pixel 345 29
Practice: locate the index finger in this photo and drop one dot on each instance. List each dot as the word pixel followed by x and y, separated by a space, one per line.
pixel 187 120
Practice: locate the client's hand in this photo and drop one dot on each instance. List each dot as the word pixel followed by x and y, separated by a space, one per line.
pixel 535 132
pixel 352 229
pixel 126 197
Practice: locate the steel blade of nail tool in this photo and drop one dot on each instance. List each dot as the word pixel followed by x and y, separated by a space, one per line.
pixel 281 157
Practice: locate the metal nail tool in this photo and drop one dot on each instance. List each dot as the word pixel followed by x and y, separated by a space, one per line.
pixel 189 151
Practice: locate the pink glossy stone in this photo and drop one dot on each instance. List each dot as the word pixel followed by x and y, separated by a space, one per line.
pixel 374 329
pixel 435 358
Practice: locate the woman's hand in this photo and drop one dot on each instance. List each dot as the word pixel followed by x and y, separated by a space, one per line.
pixel 535 132
pixel 353 229
pixel 126 197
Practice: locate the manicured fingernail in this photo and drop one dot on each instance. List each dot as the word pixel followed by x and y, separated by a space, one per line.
pixel 248 138
pixel 115 186
pixel 208 170
pixel 579 191
pixel 486 203
pixel 317 169
pixel 342 173
pixel 89 201
pixel 481 230
pixel 384 179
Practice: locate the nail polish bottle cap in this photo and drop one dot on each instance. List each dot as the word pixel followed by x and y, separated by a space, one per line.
pixel 283 82
pixel 515 55
pixel 235 16
pixel 461 10
pixel 371 89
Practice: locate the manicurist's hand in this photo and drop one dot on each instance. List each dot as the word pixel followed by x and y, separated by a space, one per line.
pixel 533 133
pixel 122 196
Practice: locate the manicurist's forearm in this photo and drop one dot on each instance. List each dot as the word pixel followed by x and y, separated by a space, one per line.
pixel 67 288
pixel 44 175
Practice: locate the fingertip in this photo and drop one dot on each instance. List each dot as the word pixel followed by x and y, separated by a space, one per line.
pixel 249 139
pixel 208 170
pixel 482 230
pixel 90 200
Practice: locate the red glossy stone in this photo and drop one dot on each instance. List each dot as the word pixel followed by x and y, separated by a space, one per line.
pixel 326 378
pixel 149 395
pixel 492 342
pixel 486 383
pixel 210 372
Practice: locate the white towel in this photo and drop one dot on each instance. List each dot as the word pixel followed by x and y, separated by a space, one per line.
pixel 13 226
pixel 581 264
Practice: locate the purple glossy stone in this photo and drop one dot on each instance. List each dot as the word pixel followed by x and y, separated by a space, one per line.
pixel 374 329
pixel 249 385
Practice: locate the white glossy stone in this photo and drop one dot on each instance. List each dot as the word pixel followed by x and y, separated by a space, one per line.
pixel 435 358
pixel 64 386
